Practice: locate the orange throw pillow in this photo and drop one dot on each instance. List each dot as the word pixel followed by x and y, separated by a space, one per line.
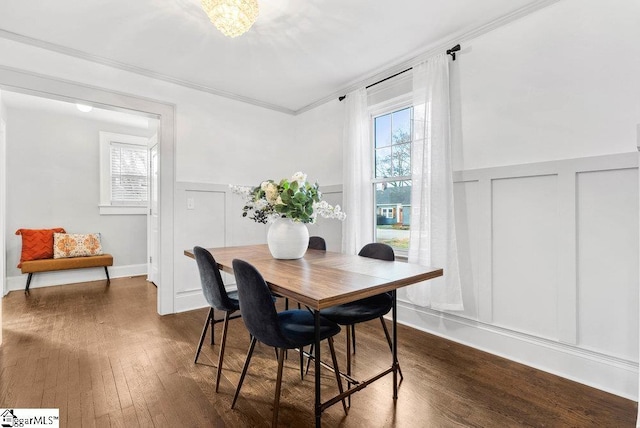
pixel 37 243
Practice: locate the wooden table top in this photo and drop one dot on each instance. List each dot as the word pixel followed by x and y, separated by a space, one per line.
pixel 323 278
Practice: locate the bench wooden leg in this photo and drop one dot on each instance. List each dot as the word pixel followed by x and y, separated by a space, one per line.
pixel 26 289
pixel 107 272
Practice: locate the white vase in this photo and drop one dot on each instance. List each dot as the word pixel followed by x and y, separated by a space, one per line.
pixel 287 239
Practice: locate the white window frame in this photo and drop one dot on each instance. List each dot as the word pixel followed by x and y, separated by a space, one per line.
pixel 106 208
pixel 389 106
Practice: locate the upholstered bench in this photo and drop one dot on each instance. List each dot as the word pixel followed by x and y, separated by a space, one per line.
pixel 48 265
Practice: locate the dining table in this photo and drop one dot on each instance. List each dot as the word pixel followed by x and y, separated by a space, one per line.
pixel 321 279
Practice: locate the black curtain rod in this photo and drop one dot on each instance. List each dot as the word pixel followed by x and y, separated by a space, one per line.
pixel 451 52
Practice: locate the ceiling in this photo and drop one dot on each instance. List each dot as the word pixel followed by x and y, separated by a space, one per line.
pixel 31 102
pixel 298 53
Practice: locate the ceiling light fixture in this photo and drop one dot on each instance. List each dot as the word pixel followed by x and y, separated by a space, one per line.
pixel 84 108
pixel 231 17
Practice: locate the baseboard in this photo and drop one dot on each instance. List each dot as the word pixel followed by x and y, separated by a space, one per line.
pixel 607 373
pixel 189 300
pixel 49 279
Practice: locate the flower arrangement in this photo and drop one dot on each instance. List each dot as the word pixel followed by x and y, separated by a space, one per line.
pixel 293 198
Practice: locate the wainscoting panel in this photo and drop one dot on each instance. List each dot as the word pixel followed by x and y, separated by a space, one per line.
pixel 607 267
pixel 550 266
pixel 201 212
pixel 525 254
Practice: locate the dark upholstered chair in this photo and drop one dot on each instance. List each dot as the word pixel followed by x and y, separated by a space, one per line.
pixel 285 330
pixel 317 243
pixel 218 298
pixel 366 309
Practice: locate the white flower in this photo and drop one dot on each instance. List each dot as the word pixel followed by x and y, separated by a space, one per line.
pixel 300 177
pixel 279 201
pixel 244 191
pixel 271 192
pixel 260 204
pixel 264 185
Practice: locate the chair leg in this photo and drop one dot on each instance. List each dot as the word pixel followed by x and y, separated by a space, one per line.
pixel 337 372
pixel 349 359
pixel 244 370
pixel 301 362
pixel 276 400
pixel 204 333
pixel 309 359
pixel 386 333
pixel 223 342
pixel 107 272
pixel 213 324
pixel 353 337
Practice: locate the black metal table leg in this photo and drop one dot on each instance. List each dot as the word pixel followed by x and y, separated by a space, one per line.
pixel 394 309
pixel 316 317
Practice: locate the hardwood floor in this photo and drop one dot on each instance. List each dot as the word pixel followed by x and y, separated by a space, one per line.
pixel 103 356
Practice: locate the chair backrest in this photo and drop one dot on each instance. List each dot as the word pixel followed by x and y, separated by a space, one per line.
pixel 256 305
pixel 211 281
pixel 317 243
pixel 378 250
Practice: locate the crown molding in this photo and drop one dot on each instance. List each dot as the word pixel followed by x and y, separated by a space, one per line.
pixel 434 49
pixel 20 38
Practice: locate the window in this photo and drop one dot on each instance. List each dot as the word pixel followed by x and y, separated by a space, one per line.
pixel 392 131
pixel 123 174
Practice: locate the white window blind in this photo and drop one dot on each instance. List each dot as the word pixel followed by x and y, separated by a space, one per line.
pixel 128 174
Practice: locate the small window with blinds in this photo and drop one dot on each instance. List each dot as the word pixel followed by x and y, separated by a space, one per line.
pixel 124 181
pixel 128 174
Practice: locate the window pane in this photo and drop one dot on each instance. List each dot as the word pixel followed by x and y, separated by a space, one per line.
pixel 383 163
pixel 401 126
pixel 393 213
pixel 383 131
pixel 401 160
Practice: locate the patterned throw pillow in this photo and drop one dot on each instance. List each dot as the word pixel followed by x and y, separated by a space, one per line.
pixel 37 243
pixel 76 245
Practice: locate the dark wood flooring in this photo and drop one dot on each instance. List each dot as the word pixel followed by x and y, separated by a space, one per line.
pixel 104 357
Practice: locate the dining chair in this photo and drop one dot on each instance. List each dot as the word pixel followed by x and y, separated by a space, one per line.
pixel 284 330
pixel 317 243
pixel 350 314
pixel 218 298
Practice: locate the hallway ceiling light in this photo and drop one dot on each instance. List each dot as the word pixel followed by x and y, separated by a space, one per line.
pixel 231 17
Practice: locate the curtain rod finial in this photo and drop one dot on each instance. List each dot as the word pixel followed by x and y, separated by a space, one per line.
pixel 453 51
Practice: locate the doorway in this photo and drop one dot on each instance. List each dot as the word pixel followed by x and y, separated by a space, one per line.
pixel 17 81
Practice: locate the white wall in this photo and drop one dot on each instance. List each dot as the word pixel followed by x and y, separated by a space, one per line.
pixel 3 166
pixel 561 83
pixel 53 181
pixel 213 134
pixel 318 135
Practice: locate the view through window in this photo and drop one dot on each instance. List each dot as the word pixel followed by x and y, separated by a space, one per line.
pixel 392 144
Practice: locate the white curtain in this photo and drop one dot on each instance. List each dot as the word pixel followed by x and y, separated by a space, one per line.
pixel 357 188
pixel 433 232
